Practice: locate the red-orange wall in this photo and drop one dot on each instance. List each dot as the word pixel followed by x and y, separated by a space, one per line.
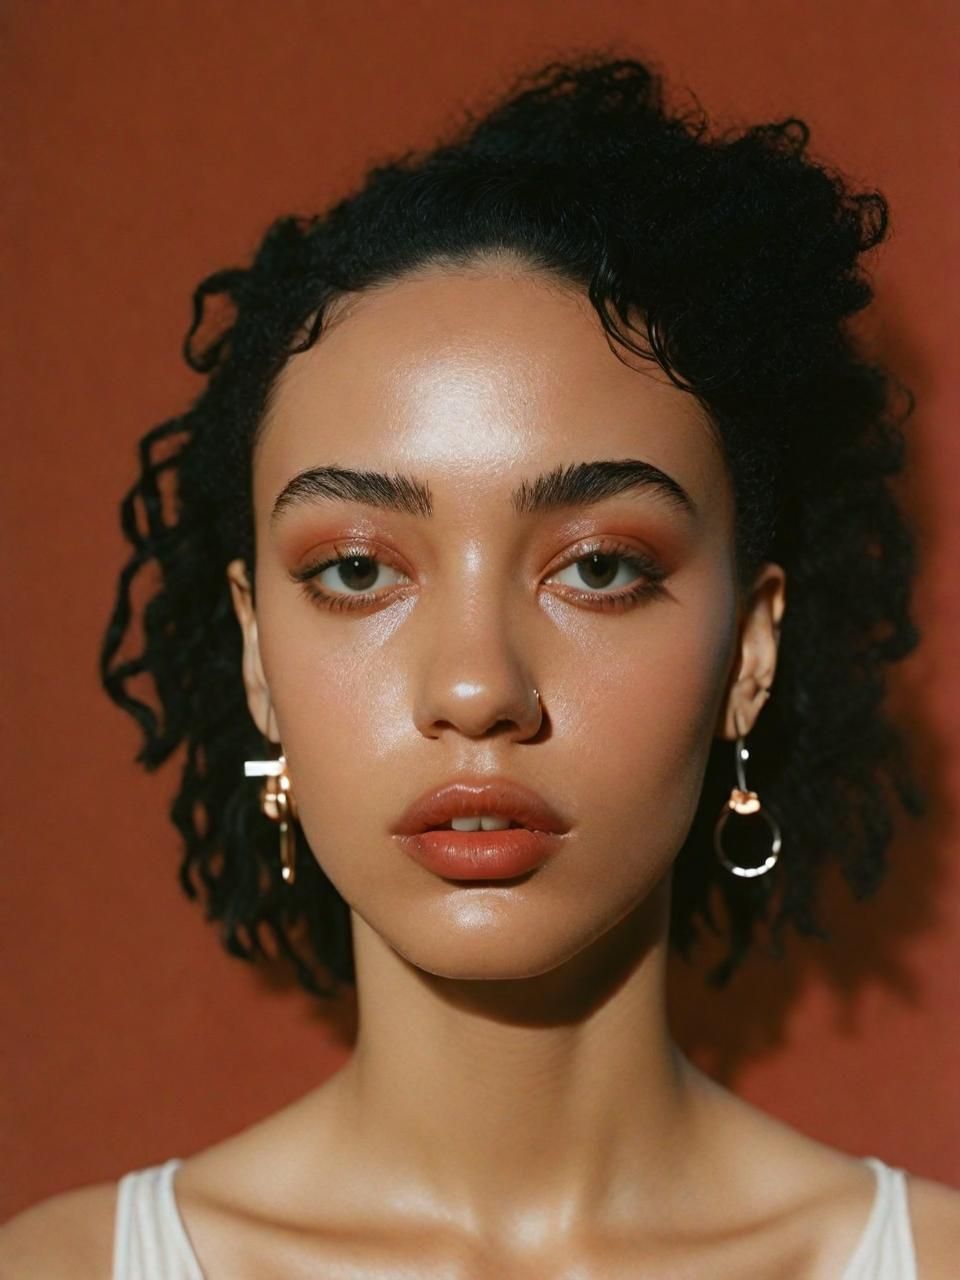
pixel 147 144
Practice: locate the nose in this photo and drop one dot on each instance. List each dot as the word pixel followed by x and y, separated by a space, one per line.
pixel 477 678
pixel 482 708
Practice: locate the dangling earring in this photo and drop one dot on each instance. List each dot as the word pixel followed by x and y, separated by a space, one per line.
pixel 277 802
pixel 744 801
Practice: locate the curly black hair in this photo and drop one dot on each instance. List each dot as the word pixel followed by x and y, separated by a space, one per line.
pixel 732 259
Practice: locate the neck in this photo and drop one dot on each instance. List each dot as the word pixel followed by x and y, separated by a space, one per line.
pixel 560 1094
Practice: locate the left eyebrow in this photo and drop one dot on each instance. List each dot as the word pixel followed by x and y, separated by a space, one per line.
pixel 580 484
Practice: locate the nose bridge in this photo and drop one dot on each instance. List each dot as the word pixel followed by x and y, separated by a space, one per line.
pixel 477 663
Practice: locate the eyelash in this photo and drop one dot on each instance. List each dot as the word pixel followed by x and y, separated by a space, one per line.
pixel 617 601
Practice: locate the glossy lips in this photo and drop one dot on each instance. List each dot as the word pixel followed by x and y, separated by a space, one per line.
pixel 481 855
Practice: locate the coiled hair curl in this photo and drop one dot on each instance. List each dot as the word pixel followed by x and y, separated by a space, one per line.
pixel 742 256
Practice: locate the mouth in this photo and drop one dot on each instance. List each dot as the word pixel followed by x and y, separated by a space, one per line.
pixel 481 829
pixel 485 803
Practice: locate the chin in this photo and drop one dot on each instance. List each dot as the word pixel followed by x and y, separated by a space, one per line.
pixel 490 950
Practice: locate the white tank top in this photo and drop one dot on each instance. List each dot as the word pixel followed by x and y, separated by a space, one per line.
pixel 150 1241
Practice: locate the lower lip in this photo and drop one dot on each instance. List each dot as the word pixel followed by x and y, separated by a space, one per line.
pixel 481 855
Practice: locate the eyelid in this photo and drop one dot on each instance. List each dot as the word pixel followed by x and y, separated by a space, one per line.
pixel 599 544
pixel 343 551
pixel 612 545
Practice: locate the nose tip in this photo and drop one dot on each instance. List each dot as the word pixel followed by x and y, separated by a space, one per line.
pixel 480 711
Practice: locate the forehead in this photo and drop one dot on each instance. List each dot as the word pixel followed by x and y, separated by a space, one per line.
pixel 474 376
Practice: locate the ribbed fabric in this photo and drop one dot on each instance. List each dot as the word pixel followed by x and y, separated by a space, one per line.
pixel 885 1250
pixel 150 1241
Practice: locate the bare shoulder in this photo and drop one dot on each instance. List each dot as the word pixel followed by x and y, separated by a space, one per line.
pixel 935 1220
pixel 831 1187
pixel 66 1237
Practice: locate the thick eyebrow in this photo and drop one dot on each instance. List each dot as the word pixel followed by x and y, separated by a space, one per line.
pixel 580 484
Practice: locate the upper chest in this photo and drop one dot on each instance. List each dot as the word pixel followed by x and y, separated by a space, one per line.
pixel 798 1249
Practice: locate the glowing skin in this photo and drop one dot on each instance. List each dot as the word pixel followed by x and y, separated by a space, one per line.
pixel 473 383
pixel 514 1081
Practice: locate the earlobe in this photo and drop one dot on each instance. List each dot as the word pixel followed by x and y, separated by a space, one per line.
pixel 254 680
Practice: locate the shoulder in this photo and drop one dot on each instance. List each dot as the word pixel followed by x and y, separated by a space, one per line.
pixel 935 1223
pixel 66 1237
pixel 830 1188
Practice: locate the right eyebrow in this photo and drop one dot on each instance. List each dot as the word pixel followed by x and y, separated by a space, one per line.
pixel 579 484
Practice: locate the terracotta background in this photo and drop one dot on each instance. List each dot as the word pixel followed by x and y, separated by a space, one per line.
pixel 148 144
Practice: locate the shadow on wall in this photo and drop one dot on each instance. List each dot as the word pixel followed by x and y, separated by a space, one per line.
pixel 723 1031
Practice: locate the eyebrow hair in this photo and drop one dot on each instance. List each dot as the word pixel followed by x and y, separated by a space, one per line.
pixel 578 484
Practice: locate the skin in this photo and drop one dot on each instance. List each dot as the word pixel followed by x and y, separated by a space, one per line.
pixel 515 1104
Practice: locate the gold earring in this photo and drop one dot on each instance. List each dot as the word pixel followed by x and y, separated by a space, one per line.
pixel 743 801
pixel 278 803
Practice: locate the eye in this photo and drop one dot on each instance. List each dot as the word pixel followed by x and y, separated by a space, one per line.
pixel 353 578
pixel 600 567
pixel 348 580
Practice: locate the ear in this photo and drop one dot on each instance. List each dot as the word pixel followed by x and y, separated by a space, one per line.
pixel 254 680
pixel 756 662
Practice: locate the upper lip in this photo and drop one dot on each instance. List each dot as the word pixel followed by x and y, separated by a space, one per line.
pixel 467 797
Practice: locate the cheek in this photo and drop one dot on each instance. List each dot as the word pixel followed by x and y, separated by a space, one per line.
pixel 648 703
pixel 329 680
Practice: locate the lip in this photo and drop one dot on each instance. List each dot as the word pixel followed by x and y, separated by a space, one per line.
pixel 481 855
pixel 463 797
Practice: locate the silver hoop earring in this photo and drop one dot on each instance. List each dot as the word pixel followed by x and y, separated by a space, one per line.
pixel 743 801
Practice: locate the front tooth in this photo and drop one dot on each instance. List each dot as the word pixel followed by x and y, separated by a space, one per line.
pixel 486 822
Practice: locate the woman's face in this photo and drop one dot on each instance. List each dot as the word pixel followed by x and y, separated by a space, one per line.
pixel 473 384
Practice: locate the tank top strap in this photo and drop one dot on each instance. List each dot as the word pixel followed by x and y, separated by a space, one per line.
pixel 885 1250
pixel 150 1241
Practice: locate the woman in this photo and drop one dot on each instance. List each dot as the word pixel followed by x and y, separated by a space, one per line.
pixel 475 555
